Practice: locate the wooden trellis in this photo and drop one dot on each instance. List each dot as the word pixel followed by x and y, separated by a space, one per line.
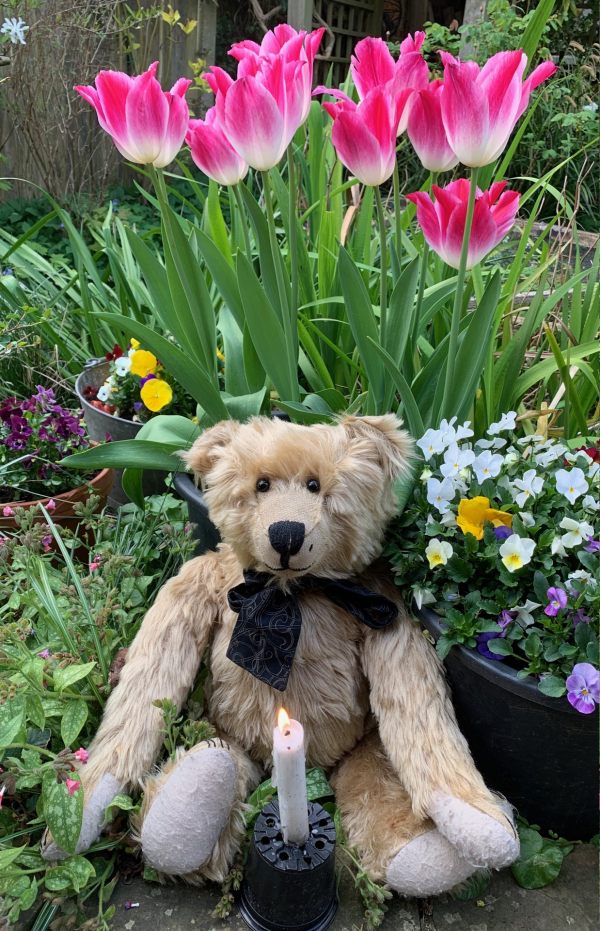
pixel 347 21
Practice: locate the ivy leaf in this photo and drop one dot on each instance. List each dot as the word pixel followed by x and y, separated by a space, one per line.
pixel 75 716
pixel 62 811
pixel 553 686
pixel 317 786
pixel 540 869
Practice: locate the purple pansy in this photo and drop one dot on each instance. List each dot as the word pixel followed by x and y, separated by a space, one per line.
pixel 580 617
pixel 146 378
pixel 583 688
pixel 557 601
pixel 502 532
pixel 592 546
pixel 504 619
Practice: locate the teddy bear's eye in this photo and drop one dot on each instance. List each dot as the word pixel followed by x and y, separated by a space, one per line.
pixel 263 484
pixel 314 485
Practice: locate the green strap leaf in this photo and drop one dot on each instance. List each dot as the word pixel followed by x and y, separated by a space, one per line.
pixel 364 325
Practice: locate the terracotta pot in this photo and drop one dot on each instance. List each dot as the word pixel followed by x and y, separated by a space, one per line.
pixel 64 514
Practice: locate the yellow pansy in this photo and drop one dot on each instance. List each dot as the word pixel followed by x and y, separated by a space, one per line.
pixel 134 343
pixel 473 513
pixel 156 394
pixel 143 363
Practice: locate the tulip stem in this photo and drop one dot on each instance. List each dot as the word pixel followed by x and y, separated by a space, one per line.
pixel 458 295
pixel 242 220
pixel 293 236
pixel 383 268
pixel 290 332
pixel 397 213
pixel 422 275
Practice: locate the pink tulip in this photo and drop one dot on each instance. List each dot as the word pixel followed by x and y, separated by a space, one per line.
pixel 443 220
pixel 480 107
pixel 364 134
pixel 373 66
pixel 212 152
pixel 147 124
pixel 285 42
pixel 260 112
pixel 426 129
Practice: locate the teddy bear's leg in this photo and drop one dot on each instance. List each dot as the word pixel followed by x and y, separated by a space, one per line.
pixel 191 820
pixel 421 737
pixel 396 846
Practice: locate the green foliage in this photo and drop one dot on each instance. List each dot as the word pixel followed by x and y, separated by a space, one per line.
pixel 540 859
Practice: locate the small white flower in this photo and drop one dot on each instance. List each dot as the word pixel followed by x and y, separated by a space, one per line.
pixel 15 29
pixel 431 442
pixel 593 106
pixel 535 438
pixel 557 548
pixel 438 552
pixel 506 422
pixel 524 612
pixel 571 483
pixel 527 518
pixel 579 532
pixel 544 457
pixel 122 365
pixel 529 487
pixel 456 459
pixel 582 576
pixel 487 465
pixel 497 443
pixel 511 458
pixel 448 520
pixel 463 432
pixel 594 469
pixel 516 552
pixel 590 503
pixel 440 494
pixel 104 392
pixel 423 596
pixel 425 474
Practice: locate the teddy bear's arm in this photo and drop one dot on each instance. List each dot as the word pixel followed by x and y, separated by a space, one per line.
pixel 162 663
pixel 417 724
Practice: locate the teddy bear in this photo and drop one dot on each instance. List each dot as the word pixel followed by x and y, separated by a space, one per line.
pixel 293 609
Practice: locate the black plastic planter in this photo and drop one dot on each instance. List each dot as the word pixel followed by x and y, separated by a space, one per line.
pixel 205 531
pixel 538 751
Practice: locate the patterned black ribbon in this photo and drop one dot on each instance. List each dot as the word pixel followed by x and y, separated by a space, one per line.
pixel 265 636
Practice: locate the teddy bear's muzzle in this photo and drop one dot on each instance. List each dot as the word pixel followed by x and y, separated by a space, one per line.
pixel 286 538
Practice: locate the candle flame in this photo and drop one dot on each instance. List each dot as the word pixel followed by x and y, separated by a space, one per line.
pixel 283 721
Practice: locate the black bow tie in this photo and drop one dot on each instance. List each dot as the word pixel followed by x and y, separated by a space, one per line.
pixel 266 633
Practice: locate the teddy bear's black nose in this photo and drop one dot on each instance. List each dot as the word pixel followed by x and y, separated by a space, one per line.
pixel 286 536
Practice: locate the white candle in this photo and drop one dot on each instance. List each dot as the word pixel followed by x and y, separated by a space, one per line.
pixel 290 778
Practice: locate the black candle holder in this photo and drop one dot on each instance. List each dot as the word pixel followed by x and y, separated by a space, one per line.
pixel 290 887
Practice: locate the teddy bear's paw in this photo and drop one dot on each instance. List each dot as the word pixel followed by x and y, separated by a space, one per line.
pixel 483 840
pixel 92 822
pixel 189 812
pixel 427 865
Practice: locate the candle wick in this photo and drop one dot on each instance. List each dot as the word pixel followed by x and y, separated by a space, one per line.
pixel 287 733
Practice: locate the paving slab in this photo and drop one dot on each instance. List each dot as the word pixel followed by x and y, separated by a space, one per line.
pixel 569 904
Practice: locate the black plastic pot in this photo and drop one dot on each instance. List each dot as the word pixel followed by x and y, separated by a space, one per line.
pixel 538 751
pixel 205 531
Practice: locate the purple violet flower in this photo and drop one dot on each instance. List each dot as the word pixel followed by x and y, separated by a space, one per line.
pixel 580 617
pixel 502 532
pixel 504 619
pixel 593 546
pixel 137 405
pixel 44 654
pixel 583 688
pixel 557 601
pixel 146 378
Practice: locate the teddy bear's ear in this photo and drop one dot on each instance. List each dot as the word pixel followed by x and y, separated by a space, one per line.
pixel 383 437
pixel 209 446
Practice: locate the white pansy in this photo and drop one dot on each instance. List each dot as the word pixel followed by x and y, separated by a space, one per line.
pixel 440 494
pixel 497 443
pixel 581 576
pixel 527 487
pixel 573 457
pixel 432 442
pixel 524 612
pixel 590 503
pixel 456 459
pixel 438 552
pixel 422 596
pixel 104 393
pixel 463 432
pixel 578 532
pixel 452 434
pixel 122 365
pixel 507 422
pixel 425 474
pixel 594 469
pixel 15 29
pixel 544 457
pixel 487 465
pixel 571 483
pixel 527 518
pixel 448 520
pixel 535 438
pixel 516 552
pixel 557 548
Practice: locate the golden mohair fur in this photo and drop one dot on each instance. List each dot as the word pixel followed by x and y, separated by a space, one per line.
pixel 373 703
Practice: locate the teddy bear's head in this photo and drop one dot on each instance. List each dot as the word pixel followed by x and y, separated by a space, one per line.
pixel 293 499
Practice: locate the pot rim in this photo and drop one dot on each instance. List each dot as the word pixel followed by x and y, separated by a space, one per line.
pixel 86 404
pixel 496 672
pixel 64 497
